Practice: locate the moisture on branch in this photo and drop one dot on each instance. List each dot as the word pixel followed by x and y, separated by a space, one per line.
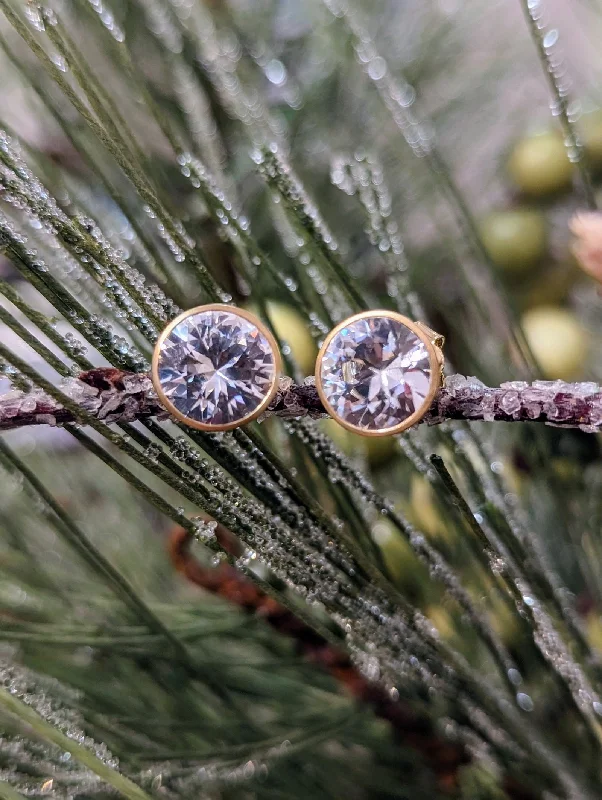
pixel 117 396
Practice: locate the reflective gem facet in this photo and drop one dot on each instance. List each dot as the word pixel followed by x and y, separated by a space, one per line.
pixel 216 367
pixel 375 373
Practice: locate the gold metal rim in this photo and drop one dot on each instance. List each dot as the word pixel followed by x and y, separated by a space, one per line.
pixel 435 361
pixel 239 312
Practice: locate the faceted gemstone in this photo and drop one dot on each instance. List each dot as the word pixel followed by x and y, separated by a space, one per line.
pixel 375 373
pixel 216 367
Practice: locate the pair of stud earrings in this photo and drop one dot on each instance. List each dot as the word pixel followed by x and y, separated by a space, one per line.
pixel 216 367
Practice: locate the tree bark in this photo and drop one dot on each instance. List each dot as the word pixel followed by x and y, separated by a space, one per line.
pixel 113 395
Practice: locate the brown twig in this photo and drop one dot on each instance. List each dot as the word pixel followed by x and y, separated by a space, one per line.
pixel 113 395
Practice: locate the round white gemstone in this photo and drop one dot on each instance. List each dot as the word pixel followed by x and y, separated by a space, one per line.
pixel 375 373
pixel 216 367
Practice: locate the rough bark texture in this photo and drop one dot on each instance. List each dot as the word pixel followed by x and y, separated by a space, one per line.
pixel 116 396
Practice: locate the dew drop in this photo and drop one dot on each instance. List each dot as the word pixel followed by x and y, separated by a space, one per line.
pixel 525 701
pixel 377 68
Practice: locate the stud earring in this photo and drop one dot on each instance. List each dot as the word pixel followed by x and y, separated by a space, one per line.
pixel 378 372
pixel 216 367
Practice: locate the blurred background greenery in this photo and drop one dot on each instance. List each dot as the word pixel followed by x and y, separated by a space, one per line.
pixel 423 134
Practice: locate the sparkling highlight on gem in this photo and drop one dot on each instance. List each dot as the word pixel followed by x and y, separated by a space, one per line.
pixel 375 373
pixel 216 367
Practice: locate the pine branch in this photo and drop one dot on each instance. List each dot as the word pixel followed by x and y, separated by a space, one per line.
pixel 113 395
pixel 553 64
pixel 228 582
pixel 54 723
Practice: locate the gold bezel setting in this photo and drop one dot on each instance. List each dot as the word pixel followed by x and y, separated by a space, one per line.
pixel 433 343
pixel 240 312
